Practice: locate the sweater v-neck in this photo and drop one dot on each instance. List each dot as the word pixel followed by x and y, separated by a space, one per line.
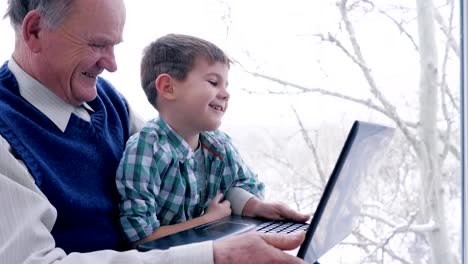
pixel 94 126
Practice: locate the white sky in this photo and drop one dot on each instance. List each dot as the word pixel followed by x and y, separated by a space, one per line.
pixel 273 37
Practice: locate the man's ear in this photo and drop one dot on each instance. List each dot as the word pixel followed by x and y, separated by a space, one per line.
pixel 165 86
pixel 31 27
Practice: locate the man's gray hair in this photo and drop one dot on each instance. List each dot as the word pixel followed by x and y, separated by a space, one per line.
pixel 54 11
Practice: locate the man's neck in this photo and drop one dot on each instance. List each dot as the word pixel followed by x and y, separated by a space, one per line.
pixel 23 62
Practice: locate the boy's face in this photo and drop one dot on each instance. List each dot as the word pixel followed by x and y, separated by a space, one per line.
pixel 202 98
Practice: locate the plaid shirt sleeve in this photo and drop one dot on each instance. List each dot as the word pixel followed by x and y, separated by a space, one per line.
pixel 245 177
pixel 136 180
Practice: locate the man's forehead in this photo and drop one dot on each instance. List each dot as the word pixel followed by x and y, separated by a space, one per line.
pixel 97 20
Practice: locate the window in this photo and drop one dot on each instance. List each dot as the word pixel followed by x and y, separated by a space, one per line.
pixel 303 71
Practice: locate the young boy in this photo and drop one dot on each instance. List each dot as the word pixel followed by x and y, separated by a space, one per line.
pixel 173 173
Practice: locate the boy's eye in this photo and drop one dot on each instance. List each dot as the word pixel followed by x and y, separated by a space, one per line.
pixel 214 83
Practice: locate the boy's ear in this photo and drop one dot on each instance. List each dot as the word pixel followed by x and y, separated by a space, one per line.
pixel 31 27
pixel 165 86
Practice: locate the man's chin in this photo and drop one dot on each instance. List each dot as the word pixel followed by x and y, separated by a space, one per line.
pixel 84 98
pixel 91 98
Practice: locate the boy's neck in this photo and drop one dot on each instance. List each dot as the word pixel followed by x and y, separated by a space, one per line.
pixel 193 141
pixel 190 136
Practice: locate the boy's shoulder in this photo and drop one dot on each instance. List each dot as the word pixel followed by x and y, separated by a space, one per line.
pixel 154 131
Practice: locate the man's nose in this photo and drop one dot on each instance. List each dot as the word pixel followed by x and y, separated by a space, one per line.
pixel 107 60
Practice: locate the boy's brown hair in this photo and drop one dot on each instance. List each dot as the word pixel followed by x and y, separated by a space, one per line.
pixel 175 54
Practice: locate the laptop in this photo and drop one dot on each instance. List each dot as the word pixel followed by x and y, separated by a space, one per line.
pixel 336 212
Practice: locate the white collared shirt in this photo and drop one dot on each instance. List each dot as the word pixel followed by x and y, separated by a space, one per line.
pixel 46 101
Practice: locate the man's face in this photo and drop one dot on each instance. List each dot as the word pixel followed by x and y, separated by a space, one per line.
pixel 75 53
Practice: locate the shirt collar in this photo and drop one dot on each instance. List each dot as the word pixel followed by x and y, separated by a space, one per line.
pixel 214 145
pixel 44 100
pixel 214 142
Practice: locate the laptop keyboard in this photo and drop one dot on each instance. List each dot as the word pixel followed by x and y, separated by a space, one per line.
pixel 283 227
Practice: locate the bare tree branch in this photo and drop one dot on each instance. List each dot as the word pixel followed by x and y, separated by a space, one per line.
pixel 445 138
pixel 447 30
pixel 368 103
pixel 454 102
pixel 330 38
pixel 378 246
pixel 287 164
pixel 450 147
pixel 311 146
pixel 449 43
pixel 408 227
pixel 401 28
pixel 390 109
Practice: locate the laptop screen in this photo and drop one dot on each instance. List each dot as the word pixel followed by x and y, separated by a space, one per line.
pixel 339 206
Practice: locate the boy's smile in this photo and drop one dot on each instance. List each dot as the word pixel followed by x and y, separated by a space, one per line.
pixel 217 107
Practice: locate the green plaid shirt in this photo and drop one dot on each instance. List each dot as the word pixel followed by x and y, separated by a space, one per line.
pixel 158 182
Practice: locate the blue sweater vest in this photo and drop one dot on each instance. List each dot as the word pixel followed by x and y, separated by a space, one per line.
pixel 75 169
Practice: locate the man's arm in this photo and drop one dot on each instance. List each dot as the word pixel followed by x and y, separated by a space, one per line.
pixel 27 218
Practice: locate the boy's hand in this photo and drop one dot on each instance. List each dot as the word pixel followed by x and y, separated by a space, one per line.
pixel 217 209
pixel 272 210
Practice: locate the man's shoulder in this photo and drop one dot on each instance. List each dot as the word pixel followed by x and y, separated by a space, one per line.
pixel 103 83
pixel 105 88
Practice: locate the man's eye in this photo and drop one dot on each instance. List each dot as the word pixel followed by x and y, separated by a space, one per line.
pixel 214 83
pixel 97 46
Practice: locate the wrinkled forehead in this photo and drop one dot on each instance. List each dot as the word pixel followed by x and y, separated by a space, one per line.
pixel 105 18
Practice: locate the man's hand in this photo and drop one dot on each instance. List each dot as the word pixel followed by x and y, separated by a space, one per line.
pixel 272 210
pixel 217 208
pixel 258 248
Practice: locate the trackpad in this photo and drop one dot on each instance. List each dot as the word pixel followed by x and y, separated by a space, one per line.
pixel 228 228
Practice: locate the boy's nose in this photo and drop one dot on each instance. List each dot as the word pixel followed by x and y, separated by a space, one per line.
pixel 224 94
